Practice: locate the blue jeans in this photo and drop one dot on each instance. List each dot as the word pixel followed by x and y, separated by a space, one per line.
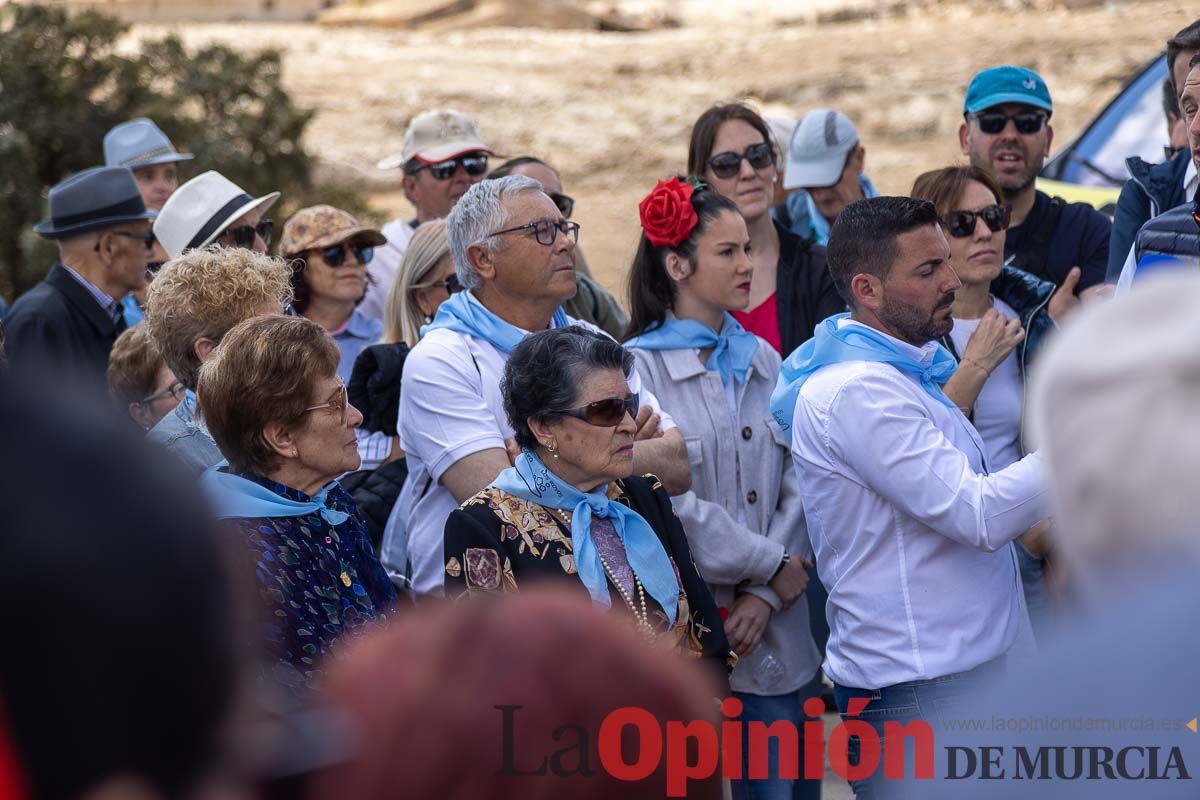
pixel 932 700
pixel 768 709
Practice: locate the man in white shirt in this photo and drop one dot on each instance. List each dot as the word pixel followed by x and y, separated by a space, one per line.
pixel 908 527
pixel 514 254
pixel 443 156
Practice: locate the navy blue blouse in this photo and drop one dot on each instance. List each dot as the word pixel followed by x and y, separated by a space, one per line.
pixel 318 582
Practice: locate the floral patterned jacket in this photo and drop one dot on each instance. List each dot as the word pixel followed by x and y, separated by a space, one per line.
pixel 497 542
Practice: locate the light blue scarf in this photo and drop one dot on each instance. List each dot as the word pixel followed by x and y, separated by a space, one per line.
pixel 233 496
pixel 131 311
pixel 733 348
pixel 531 481
pixel 464 314
pixel 820 225
pixel 834 344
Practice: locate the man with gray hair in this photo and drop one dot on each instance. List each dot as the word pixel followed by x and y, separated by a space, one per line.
pixel 514 255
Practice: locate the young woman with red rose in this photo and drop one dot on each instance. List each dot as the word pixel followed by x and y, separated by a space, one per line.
pixel 743 518
pixel 732 151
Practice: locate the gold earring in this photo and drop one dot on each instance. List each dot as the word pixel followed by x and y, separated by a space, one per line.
pixel 552 447
pixel 295 452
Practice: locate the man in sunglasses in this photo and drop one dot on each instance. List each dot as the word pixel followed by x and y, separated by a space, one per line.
pixel 443 156
pixel 514 254
pixel 1006 130
pixel 71 319
pixel 592 302
pixel 825 162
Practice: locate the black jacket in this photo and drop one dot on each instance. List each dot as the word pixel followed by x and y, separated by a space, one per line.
pixel 58 324
pixel 804 290
pixel 1152 189
pixel 375 492
pixel 1174 233
pixel 374 387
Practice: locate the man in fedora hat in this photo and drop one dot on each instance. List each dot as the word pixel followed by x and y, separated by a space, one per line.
pixel 210 209
pixel 71 319
pixel 443 156
pixel 140 145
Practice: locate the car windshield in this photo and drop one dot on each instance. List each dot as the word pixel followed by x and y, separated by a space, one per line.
pixel 1132 125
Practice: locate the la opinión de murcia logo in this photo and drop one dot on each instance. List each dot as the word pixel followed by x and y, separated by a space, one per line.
pixel 699 749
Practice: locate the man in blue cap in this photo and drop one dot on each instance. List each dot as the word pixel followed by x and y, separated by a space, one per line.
pixel 1006 130
pixel 70 320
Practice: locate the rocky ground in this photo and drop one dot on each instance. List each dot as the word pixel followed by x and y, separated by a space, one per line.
pixel 613 110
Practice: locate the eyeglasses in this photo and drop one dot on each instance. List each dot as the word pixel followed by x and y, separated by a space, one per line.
pixel 335 255
pixel 451 284
pixel 339 402
pixel 444 170
pixel 993 122
pixel 545 230
pixel 243 235
pixel 962 223
pixel 147 237
pixel 726 165
pixel 175 390
pixel 604 413
pixel 563 203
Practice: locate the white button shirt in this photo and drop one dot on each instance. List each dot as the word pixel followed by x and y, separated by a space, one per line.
pixel 450 407
pixel 909 530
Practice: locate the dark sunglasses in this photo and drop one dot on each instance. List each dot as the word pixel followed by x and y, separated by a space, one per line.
pixel 335 255
pixel 962 223
pixel 444 170
pixel 545 230
pixel 451 284
pixel 243 235
pixel 993 122
pixel 726 165
pixel 147 237
pixel 605 413
pixel 563 203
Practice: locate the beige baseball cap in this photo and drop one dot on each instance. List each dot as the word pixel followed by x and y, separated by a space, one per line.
pixel 435 136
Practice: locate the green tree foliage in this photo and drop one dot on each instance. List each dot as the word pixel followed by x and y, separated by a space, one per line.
pixel 64 83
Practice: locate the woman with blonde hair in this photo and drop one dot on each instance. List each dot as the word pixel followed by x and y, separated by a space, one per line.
pixel 424 281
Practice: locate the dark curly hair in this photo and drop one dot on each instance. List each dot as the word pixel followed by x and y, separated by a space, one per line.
pixel 545 370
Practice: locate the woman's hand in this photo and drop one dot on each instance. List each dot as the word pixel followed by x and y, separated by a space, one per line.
pixel 647 424
pixel 1064 300
pixel 992 341
pixel 791 581
pixel 746 623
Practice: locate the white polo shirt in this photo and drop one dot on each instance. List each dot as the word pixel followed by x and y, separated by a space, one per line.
pixel 909 530
pixel 450 407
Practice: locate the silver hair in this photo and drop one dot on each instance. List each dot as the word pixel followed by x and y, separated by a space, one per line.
pixel 479 212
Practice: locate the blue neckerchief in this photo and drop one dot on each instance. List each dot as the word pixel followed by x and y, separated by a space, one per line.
pixel 233 496
pixel 834 344
pixel 131 311
pixel 733 348
pixel 531 481
pixel 465 314
pixel 820 225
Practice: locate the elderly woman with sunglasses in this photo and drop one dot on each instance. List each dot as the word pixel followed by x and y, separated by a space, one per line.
pixel 277 409
pixel 1002 317
pixel 731 150
pixel 569 510
pixel 329 251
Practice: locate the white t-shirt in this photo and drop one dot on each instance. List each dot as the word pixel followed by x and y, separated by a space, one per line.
pixel 998 410
pixel 384 266
pixel 450 407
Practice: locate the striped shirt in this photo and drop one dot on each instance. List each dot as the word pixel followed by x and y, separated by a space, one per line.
pixel 110 306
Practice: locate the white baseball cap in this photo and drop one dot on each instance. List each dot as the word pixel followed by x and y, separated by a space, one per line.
pixel 816 154
pixel 201 209
pixel 435 136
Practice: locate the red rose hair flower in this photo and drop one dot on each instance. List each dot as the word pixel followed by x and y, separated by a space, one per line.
pixel 667 215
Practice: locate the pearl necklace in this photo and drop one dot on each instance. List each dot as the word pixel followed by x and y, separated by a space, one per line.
pixel 640 613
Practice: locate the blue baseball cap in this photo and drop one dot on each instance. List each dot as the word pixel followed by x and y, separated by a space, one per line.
pixel 1006 84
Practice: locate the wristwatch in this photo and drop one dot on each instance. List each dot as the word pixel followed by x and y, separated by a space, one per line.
pixel 782 563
